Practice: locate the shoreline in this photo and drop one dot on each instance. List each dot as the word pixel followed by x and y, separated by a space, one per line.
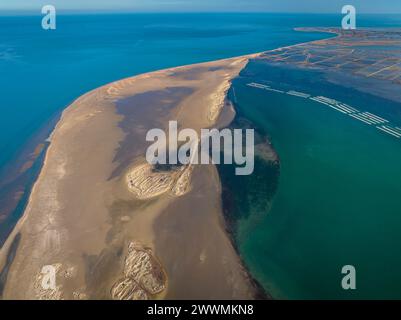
pixel 59 115
pixel 47 138
pixel 228 200
pixel 19 175
pixel 110 89
pixel 21 225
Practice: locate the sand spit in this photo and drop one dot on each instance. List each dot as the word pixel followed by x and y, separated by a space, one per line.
pixel 115 229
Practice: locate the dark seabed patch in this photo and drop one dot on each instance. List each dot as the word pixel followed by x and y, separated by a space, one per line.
pixel 337 201
pixel 247 197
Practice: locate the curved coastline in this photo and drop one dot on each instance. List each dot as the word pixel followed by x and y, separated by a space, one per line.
pixel 113 91
pixel 35 230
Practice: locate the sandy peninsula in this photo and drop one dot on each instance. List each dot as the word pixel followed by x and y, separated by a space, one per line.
pixel 112 226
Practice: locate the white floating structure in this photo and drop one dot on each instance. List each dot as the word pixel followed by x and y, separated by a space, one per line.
pixel 318 99
pixel 390 131
pixel 328 100
pixel 374 117
pixel 358 117
pixel 274 90
pixel 298 94
pixel 263 86
pixel 336 104
pixel 347 107
pixel 365 117
pixel 257 85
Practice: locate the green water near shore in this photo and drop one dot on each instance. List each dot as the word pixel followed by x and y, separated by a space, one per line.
pixel 338 197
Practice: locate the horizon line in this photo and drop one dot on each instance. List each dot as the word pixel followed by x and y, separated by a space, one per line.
pixel 24 12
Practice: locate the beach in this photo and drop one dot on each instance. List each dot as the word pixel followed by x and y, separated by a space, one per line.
pixel 115 227
pixel 83 220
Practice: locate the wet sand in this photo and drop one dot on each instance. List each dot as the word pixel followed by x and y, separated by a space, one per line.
pixel 82 219
pixel 18 177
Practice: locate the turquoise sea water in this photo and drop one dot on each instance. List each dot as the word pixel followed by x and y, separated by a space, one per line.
pixel 41 72
pixel 338 197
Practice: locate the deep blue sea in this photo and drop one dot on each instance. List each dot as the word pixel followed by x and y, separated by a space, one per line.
pixel 42 72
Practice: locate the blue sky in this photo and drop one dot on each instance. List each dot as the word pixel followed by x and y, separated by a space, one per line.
pixel 315 6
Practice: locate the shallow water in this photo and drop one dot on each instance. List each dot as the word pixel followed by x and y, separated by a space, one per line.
pixel 337 201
